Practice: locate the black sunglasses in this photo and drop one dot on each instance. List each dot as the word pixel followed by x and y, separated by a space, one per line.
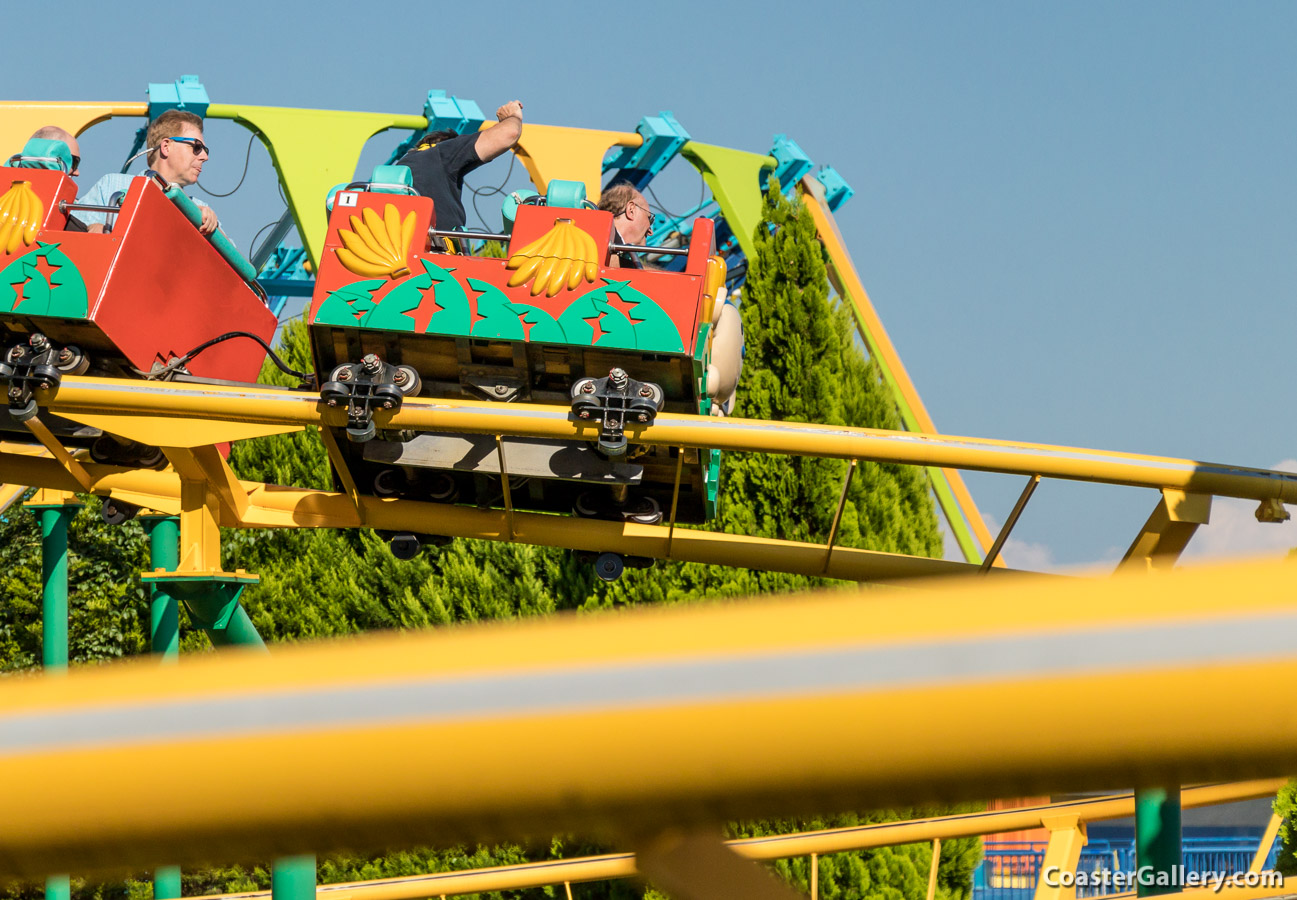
pixel 76 163
pixel 194 144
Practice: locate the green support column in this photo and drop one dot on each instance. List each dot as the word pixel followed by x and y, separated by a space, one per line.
pixel 166 883
pixel 213 604
pixel 164 611
pixel 54 518
pixel 226 622
pixel 1157 841
pixel 164 640
pixel 293 878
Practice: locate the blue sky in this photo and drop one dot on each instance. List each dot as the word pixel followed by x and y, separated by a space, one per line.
pixel 1077 222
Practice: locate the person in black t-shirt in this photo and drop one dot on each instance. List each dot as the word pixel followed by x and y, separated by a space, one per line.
pixel 441 159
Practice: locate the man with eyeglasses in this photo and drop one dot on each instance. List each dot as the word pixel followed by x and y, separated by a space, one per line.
pixel 632 221
pixel 176 153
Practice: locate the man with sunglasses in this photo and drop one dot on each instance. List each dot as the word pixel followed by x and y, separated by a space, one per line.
pixel 55 133
pixel 176 153
pixel 632 221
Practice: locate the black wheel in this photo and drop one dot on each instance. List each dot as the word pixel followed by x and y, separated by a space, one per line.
pixel 609 566
pixel 442 488
pixel 642 511
pixel 116 512
pixel 360 435
pixel 389 483
pixel 408 380
pixel 405 545
pixel 72 361
pixel 27 411
pixel 103 450
pixel 588 505
pixel 150 457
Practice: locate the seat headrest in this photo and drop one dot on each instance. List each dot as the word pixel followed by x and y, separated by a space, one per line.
pixel 565 193
pixel 388 179
pixel 41 153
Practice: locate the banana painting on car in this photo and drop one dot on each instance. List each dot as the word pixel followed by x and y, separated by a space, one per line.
pixel 549 322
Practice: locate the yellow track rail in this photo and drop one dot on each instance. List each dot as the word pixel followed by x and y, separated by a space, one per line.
pixel 634 717
pixel 835 840
pixel 185 418
pixel 154 409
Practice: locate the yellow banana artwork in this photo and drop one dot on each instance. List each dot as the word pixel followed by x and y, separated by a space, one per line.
pixel 377 247
pixel 559 260
pixel 21 216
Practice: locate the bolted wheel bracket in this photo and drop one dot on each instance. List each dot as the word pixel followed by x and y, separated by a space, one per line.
pixel 365 387
pixel 36 365
pixel 616 401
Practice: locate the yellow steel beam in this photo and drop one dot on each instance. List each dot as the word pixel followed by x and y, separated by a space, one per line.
pixel 784 846
pixel 252 404
pixel 1266 842
pixel 574 154
pixel 1168 530
pixel 1067 838
pixel 205 464
pixel 176 431
pixel 20 119
pixel 366 743
pixel 273 506
pixel 58 452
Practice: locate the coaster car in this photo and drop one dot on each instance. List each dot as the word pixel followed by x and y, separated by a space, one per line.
pixel 394 315
pixel 135 302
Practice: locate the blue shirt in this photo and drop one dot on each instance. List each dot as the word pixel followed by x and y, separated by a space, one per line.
pixel 102 193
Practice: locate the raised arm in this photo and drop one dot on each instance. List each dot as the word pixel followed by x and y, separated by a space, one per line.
pixel 502 135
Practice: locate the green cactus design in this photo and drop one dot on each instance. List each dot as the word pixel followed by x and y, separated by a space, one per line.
pixel 576 319
pixel 63 295
pixel 496 318
pixel 346 305
pixel 654 329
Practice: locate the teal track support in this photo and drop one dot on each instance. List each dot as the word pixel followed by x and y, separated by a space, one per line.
pixel 54 520
pixel 293 878
pixel 1157 840
pixel 164 610
pixel 166 883
pixel 164 640
pixel 54 583
pixel 226 622
pixel 213 604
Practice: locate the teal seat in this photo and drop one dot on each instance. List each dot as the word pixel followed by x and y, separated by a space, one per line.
pixel 383 180
pixel 509 208
pixel 40 153
pixel 565 193
pixel 391 180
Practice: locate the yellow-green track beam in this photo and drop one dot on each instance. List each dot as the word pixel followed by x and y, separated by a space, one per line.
pixel 952 494
pixel 313 150
pixel 374 742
